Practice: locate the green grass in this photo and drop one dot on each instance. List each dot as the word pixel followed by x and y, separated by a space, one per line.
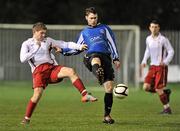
pixel 60 109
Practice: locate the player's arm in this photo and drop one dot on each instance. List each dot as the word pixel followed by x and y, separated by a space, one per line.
pixel 146 55
pixel 63 44
pixel 112 43
pixel 26 54
pixel 170 52
pixel 67 51
pixel 71 48
pixel 113 47
pixel 145 58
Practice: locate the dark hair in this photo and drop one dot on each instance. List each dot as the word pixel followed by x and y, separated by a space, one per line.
pixel 90 10
pixel 155 22
pixel 39 26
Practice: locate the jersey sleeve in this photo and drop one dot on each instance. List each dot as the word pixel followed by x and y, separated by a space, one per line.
pixel 170 52
pixel 112 43
pixel 25 53
pixel 68 51
pixel 63 44
pixel 146 54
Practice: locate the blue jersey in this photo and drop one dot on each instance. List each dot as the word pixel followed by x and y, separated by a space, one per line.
pixel 100 39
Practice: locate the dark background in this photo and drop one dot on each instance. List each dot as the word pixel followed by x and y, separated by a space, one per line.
pixel 123 12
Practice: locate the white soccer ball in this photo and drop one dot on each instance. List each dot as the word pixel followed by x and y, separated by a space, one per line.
pixel 121 91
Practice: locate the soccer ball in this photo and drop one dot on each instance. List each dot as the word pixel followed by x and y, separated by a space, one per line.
pixel 121 91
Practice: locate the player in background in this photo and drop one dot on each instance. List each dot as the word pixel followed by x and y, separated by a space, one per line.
pixel 101 46
pixel 45 70
pixel 160 52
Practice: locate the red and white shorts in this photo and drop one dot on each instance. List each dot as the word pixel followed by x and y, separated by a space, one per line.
pixel 46 74
pixel 157 76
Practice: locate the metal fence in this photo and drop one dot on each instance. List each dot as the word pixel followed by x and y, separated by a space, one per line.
pixel 12 38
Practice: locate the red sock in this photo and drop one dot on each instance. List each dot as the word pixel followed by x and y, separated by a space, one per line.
pixel 30 108
pixel 163 99
pixel 80 86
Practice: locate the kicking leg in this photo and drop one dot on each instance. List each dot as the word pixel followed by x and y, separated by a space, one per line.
pixel 76 81
pixel 97 70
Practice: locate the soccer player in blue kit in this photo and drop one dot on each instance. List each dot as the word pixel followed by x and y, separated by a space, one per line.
pixel 99 56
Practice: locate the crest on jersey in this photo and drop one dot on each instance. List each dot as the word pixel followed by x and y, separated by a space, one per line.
pixel 102 31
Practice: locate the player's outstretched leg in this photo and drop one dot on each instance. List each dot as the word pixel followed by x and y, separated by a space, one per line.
pixel 88 98
pixel 98 72
pixel 77 83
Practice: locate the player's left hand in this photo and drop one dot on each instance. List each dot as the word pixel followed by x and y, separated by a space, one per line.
pixel 83 47
pixel 117 64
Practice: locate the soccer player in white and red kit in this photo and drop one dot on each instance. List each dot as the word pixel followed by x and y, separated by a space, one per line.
pixel 37 52
pixel 160 52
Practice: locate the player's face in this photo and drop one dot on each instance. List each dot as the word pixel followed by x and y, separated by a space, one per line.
pixel 39 35
pixel 92 19
pixel 154 28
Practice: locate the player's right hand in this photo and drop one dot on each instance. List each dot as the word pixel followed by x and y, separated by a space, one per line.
pixel 117 64
pixel 142 66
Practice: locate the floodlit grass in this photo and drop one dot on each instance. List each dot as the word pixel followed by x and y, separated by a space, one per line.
pixel 60 109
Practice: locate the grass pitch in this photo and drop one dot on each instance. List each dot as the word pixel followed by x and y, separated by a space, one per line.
pixel 60 109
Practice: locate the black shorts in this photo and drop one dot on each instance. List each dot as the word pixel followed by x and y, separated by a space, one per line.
pixel 106 64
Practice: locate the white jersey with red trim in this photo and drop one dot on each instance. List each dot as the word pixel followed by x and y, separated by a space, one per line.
pixel 36 55
pixel 158 49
